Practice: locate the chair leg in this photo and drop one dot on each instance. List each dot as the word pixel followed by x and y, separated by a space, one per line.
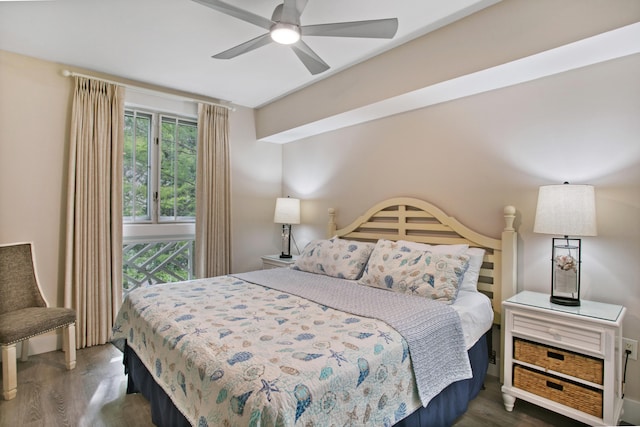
pixel 9 372
pixel 69 345
pixel 25 351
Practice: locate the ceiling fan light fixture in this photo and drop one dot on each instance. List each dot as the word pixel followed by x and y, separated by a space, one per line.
pixel 284 28
pixel 285 33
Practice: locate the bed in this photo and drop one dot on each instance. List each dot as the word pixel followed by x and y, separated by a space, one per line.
pixel 331 341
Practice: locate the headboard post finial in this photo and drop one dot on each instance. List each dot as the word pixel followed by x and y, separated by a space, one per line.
pixel 509 217
pixel 331 227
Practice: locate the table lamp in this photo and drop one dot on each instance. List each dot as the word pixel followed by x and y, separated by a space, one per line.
pixel 566 210
pixel 287 213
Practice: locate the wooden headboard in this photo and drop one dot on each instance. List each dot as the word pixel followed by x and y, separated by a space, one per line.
pixel 411 219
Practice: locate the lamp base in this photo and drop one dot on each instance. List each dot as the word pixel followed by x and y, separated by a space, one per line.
pixel 286 256
pixel 565 301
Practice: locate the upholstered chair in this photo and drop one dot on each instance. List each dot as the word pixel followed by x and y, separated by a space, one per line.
pixel 24 313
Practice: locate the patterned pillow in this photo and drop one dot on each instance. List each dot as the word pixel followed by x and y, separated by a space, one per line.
pixel 397 267
pixel 335 257
pixel 476 256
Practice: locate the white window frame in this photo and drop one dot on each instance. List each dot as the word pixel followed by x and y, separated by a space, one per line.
pixel 156 228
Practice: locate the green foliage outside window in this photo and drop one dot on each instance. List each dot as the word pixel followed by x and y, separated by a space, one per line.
pixel 178 168
pixel 175 168
pixel 136 165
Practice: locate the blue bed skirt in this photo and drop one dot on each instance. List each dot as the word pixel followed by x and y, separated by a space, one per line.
pixel 442 411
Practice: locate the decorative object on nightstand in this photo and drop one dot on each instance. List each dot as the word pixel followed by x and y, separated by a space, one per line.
pixel 564 358
pixel 274 261
pixel 568 210
pixel 287 213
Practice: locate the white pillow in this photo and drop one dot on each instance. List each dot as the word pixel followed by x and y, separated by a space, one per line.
pixel 470 278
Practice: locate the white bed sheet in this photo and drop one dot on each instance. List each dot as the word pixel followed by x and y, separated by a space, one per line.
pixel 476 315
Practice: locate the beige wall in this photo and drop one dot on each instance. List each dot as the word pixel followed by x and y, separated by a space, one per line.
pixel 255 185
pixel 35 104
pixel 474 155
pixel 34 111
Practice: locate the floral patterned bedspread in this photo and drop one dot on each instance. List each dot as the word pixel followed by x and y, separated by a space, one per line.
pixel 232 353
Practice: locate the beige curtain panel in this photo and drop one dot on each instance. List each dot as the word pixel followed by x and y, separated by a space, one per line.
pixel 213 216
pixel 93 264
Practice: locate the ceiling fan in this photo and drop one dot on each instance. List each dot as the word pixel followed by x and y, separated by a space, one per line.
pixel 284 28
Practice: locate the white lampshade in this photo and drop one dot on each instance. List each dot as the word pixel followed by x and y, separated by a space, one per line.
pixel 566 210
pixel 287 211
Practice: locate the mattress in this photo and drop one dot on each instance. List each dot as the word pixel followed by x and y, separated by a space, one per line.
pixel 476 315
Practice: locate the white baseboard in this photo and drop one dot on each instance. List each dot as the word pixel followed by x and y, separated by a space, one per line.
pixel 45 343
pixel 631 411
pixel 494 369
pixel 42 344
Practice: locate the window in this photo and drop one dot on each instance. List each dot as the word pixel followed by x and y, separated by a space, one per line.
pixel 136 186
pixel 178 145
pixel 159 168
pixel 159 202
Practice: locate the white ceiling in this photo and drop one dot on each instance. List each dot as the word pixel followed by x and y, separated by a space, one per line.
pixel 170 42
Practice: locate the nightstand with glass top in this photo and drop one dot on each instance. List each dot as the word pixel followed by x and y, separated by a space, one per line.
pixel 565 359
pixel 274 261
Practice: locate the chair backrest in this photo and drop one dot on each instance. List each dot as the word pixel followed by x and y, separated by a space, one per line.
pixel 18 284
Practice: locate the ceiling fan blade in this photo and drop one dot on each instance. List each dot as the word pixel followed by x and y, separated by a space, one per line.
pixel 377 29
pixel 291 11
pixel 245 47
pixel 309 58
pixel 300 6
pixel 236 12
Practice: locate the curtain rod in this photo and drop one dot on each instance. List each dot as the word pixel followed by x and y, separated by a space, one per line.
pixel 68 73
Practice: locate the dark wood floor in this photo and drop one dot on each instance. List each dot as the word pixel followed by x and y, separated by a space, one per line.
pixel 93 394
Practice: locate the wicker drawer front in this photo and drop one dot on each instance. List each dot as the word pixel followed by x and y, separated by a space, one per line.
pixel 566 362
pixel 575 396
